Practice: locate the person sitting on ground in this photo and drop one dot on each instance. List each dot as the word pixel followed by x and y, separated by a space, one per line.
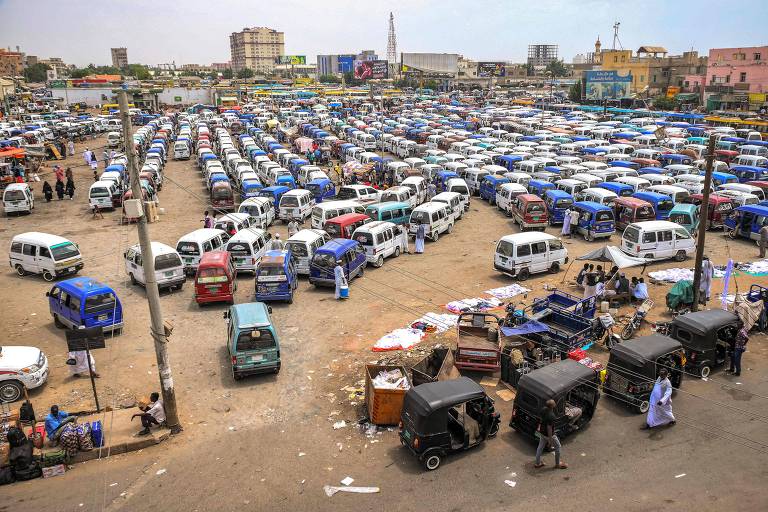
pixel 600 274
pixel 582 273
pixel 54 421
pixel 641 290
pixel 154 413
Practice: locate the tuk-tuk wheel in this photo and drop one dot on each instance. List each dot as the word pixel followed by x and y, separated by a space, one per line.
pixel 48 276
pixel 643 407
pixel 58 323
pixel 494 429
pixel 523 274
pixel 732 233
pixel 432 462
pixel 680 256
pixel 704 371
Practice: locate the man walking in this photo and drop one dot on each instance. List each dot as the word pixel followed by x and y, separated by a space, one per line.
pixel 293 227
pixel 546 434
pixel 739 346
pixel 660 411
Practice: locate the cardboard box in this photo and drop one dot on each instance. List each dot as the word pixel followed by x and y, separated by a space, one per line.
pixel 58 469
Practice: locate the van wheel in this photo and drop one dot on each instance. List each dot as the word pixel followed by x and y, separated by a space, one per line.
pixel 48 276
pixel 436 236
pixel 642 407
pixel 20 271
pixel 362 271
pixel 733 233
pixel 704 371
pixel 588 236
pixel 235 375
pixel 432 462
pixel 58 322
pixel 680 256
pixel 379 262
pixel 523 274
pixel 555 268
pixel 450 228
pixel 133 279
pixel 11 391
pixel 397 252
pixel 290 300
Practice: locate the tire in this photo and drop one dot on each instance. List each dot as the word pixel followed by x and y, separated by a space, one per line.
pixel 588 236
pixel 236 376
pixel 733 233
pixel 555 268
pixel 48 276
pixel 379 262
pixel 627 331
pixel 133 279
pixel 643 407
pixel 680 256
pixel 436 237
pixel 494 429
pixel 362 271
pixel 290 300
pixel 523 274
pixel 20 271
pixel 11 391
pixel 432 462
pixel 450 229
pixel 397 252
pixel 704 371
pixel 58 323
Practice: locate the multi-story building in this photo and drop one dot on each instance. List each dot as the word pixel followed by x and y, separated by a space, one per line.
pixel 119 57
pixel 336 64
pixel 221 66
pixel 737 78
pixel 256 49
pixel 541 55
pixel 11 63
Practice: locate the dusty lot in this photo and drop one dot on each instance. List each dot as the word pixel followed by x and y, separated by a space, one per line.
pixel 268 441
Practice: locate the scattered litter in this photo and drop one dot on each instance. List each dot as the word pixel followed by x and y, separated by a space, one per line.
pixel 348 480
pixel 435 322
pixel 339 424
pixel 301 454
pixel 391 379
pixel 506 394
pixel 331 490
pixel 475 304
pixel 681 475
pixel 510 483
pixel 399 339
pixel 341 446
pixel 160 471
pixel 113 484
pixel 507 292
pixel 583 454
pixel 302 482
pixel 489 381
pixel 232 429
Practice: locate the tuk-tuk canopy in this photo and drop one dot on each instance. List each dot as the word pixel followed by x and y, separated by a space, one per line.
pixel 702 323
pixel 555 379
pixel 644 350
pixel 427 398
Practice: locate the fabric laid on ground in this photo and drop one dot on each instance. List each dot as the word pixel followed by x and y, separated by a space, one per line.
pixel 506 292
pixel 440 322
pixel 474 304
pixel 756 268
pixel 674 275
pixel 399 339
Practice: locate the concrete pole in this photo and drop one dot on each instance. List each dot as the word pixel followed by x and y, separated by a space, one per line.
pixel 703 222
pixel 157 331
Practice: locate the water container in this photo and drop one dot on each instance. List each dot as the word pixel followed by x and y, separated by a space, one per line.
pixel 344 292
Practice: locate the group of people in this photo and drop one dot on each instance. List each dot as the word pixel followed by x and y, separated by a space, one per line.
pixel 615 284
pixel 60 187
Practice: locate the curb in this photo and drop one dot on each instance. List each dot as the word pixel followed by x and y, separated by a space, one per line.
pixel 119 448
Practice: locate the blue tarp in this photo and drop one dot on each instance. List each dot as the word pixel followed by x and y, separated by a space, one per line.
pixel 529 327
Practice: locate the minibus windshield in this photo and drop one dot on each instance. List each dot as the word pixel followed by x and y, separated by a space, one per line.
pixel 64 250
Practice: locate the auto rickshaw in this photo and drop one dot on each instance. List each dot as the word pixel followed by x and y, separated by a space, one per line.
pixel 633 367
pixel 573 386
pixel 447 416
pixel 705 336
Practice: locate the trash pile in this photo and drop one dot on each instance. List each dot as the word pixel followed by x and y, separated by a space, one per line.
pixel 435 322
pixel 399 339
pixel 391 379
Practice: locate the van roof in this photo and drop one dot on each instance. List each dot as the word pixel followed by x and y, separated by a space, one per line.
pixel 202 234
pixel 42 238
pixel 247 235
pixel 305 235
pixel 337 247
pixel 337 204
pixel 348 218
pixel 376 225
pixel 17 186
pixel 528 236
pixel 430 207
pixel 297 192
pixel 663 224
pixel 214 259
pixel 102 183
pixel 158 248
pixel 83 286
pixel 446 195
pixel 250 314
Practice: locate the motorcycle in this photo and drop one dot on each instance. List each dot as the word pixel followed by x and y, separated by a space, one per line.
pixel 637 318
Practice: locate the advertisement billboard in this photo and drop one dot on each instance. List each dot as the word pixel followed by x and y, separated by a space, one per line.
pixel 367 69
pixel 346 63
pixel 291 59
pixel 607 85
pixel 490 69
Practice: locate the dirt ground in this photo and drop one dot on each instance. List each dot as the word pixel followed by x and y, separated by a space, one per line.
pixel 268 441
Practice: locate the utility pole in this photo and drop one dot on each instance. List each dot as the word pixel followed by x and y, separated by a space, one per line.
pixel 703 221
pixel 158 330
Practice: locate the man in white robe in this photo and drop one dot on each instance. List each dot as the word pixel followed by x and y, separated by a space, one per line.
pixel 705 285
pixel 420 235
pixel 566 223
pixel 660 411
pixel 339 278
pixel 80 368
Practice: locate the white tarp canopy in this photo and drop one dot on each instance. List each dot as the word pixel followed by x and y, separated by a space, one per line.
pixel 615 255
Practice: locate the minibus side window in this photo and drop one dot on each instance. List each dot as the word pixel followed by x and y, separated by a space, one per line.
pixel 44 252
pixel 665 236
pixel 539 247
pixel 523 250
pixel 29 250
pixel 649 237
pixel 16 247
pixel 207 247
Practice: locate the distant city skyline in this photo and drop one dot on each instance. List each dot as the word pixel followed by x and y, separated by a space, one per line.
pixel 200 34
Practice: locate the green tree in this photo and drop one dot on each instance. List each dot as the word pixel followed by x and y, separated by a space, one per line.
pixel 557 68
pixel 529 71
pixel 36 72
pixel 349 79
pixel 139 71
pixel 431 84
pixel 227 74
pixel 245 73
pixel 574 94
pixel 664 103
pixel 329 79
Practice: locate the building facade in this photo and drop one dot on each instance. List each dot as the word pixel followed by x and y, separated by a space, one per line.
pixel 256 49
pixel 337 64
pixel 541 55
pixel 11 63
pixel 119 57
pixel 737 79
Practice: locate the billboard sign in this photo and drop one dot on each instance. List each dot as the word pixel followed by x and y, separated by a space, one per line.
pixel 490 69
pixel 367 69
pixel 293 60
pixel 346 63
pixel 607 85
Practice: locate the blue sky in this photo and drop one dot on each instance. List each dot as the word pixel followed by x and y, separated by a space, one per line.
pixel 197 31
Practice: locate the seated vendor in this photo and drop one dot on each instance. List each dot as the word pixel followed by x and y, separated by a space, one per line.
pixel 573 413
pixel 641 290
pixel 54 421
pixel 154 414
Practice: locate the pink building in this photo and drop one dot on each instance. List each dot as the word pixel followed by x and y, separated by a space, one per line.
pixel 744 69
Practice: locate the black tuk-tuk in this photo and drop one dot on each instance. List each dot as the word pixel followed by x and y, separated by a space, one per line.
pixel 706 337
pixel 573 387
pixel 446 416
pixel 633 367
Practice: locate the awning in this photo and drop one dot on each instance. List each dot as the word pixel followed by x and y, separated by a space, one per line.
pixel 615 255
pixel 12 153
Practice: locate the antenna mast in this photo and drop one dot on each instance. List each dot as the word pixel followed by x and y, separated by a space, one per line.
pixel 391 41
pixel 616 36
